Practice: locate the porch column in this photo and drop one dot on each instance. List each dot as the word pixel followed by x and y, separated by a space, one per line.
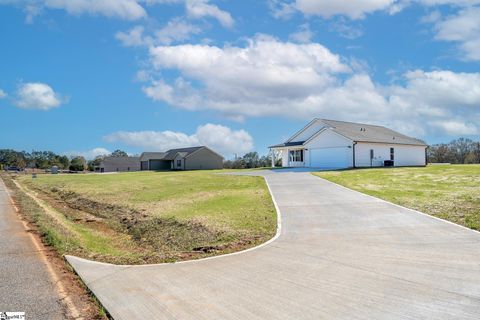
pixel 273 157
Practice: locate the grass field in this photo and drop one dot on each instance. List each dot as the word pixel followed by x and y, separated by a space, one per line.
pixel 149 217
pixel 450 192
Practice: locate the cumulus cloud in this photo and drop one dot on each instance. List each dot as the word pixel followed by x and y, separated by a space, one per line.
pixel 462 28
pixel 37 95
pixel 345 28
pixel 176 30
pixel 303 35
pixel 89 154
pixel 123 9
pixel 352 9
pixel 133 37
pixel 456 127
pixel 272 78
pixel 217 137
pixel 202 8
pixel 3 94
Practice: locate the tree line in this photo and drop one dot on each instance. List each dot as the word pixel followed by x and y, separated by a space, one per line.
pixel 461 150
pixel 250 160
pixel 47 159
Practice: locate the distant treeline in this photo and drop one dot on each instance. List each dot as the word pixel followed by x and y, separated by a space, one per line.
pixel 249 160
pixel 47 159
pixel 461 150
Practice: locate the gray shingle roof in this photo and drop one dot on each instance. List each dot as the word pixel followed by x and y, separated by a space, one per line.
pixel 170 155
pixel 288 144
pixel 152 155
pixel 370 133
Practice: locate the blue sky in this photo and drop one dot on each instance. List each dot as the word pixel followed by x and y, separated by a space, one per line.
pixel 88 77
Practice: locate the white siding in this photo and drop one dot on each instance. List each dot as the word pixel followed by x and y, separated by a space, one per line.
pixel 309 131
pixel 405 155
pixel 329 140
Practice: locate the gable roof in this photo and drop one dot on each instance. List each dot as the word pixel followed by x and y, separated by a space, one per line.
pixel 184 152
pixel 145 156
pixel 361 132
pixel 357 132
pixel 173 153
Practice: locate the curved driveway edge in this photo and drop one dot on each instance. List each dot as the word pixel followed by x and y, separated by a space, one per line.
pixel 340 255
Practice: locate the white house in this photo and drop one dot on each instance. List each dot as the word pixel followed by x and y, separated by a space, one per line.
pixel 334 144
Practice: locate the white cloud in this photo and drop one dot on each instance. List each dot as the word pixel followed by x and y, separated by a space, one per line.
pixel 133 37
pixel 352 9
pixel 303 35
pixel 280 9
pixel 36 95
pixel 176 30
pixel 198 9
pixel 345 29
pixel 123 9
pixel 89 154
pixel 463 28
pixel 202 8
pixel 456 127
pixel 217 137
pixel 3 94
pixel 272 78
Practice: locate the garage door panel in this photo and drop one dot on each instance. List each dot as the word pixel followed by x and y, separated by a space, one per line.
pixel 329 157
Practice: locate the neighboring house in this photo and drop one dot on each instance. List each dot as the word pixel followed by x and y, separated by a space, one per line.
pixel 119 164
pixel 338 144
pixel 193 158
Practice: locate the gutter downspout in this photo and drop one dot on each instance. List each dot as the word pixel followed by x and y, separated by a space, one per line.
pixel 354 164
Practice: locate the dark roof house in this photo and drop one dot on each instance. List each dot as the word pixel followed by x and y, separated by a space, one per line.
pixel 192 158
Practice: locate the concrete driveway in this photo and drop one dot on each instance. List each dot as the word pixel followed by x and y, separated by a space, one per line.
pixel 340 255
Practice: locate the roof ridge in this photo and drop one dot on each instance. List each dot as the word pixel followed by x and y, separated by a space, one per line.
pixel 365 124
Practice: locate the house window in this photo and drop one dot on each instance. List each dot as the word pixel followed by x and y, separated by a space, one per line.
pixel 392 154
pixel 179 163
pixel 296 155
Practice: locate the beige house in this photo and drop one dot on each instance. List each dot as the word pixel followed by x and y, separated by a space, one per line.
pixel 119 164
pixel 193 158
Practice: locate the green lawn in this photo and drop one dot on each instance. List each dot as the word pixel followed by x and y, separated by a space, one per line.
pixel 450 192
pixel 147 217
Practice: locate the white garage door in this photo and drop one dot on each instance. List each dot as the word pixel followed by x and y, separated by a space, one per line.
pixel 334 158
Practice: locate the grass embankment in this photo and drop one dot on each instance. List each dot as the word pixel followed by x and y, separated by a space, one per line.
pixel 450 192
pixel 149 217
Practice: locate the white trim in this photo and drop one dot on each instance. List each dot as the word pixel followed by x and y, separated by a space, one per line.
pixel 323 130
pixel 277 235
pixel 303 129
